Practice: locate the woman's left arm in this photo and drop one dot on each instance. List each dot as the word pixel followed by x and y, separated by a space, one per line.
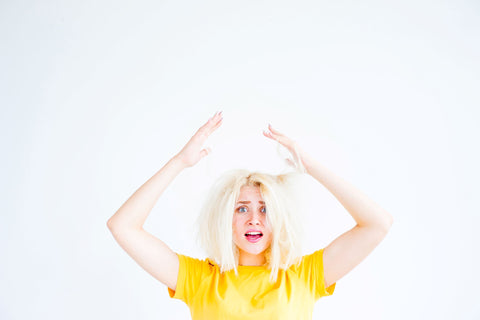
pixel 373 222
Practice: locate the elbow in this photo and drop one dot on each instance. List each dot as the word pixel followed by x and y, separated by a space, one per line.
pixel 388 222
pixel 385 219
pixel 385 223
pixel 111 224
pixel 116 227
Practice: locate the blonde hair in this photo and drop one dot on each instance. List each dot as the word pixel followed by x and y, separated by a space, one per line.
pixel 216 217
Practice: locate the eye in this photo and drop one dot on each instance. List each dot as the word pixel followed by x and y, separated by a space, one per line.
pixel 242 209
pixel 263 210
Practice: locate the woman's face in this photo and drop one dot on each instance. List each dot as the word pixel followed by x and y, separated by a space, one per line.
pixel 251 232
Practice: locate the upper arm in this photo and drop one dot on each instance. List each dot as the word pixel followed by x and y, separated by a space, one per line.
pixel 150 253
pixel 349 249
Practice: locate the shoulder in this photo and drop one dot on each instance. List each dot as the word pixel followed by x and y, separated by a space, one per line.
pixel 191 272
pixel 195 265
pixel 309 260
pixel 310 270
pixel 309 267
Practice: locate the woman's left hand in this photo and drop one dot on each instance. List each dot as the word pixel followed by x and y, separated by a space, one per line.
pixel 292 146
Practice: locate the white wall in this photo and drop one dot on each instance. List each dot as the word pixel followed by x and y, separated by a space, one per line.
pixel 96 96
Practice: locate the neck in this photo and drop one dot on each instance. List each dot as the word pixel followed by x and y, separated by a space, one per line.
pixel 248 259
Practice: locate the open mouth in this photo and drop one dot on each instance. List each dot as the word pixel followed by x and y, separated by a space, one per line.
pixel 253 236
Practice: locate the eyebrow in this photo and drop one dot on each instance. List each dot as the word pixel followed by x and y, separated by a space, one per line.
pixel 246 202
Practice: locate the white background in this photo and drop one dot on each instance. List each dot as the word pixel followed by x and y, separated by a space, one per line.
pixel 96 97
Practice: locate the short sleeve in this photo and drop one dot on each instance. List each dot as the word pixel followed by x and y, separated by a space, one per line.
pixel 311 270
pixel 191 271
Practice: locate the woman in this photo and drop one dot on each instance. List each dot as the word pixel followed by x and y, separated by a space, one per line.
pixel 254 270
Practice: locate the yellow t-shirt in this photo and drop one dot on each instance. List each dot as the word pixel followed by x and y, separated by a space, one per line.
pixel 212 295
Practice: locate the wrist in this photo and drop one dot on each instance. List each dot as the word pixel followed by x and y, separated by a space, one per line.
pixel 177 163
pixel 308 163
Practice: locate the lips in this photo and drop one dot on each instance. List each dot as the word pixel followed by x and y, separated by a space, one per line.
pixel 253 236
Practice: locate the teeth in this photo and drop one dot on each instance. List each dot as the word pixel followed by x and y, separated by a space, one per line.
pixel 253 233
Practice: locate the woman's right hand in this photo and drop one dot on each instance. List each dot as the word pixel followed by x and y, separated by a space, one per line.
pixel 193 151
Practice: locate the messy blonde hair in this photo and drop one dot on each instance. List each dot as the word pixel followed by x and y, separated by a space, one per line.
pixel 216 217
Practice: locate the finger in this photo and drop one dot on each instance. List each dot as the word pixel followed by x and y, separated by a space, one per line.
pixel 216 116
pixel 286 142
pixel 213 121
pixel 214 126
pixel 268 134
pixel 205 152
pixel 205 126
pixel 282 140
pixel 273 136
pixel 218 124
pixel 274 131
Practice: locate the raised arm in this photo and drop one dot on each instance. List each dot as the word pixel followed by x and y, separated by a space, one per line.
pixel 373 222
pixel 126 224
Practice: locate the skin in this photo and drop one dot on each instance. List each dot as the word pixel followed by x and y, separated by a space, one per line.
pixel 126 225
pixel 250 214
pixel 341 256
pixel 373 223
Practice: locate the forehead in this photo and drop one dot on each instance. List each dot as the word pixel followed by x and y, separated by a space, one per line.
pixel 249 192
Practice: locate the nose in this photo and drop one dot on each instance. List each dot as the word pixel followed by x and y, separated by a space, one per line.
pixel 254 219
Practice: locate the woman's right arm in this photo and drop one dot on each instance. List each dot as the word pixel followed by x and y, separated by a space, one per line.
pixel 126 225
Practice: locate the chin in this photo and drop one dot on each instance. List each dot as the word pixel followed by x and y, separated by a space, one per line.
pixel 254 250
